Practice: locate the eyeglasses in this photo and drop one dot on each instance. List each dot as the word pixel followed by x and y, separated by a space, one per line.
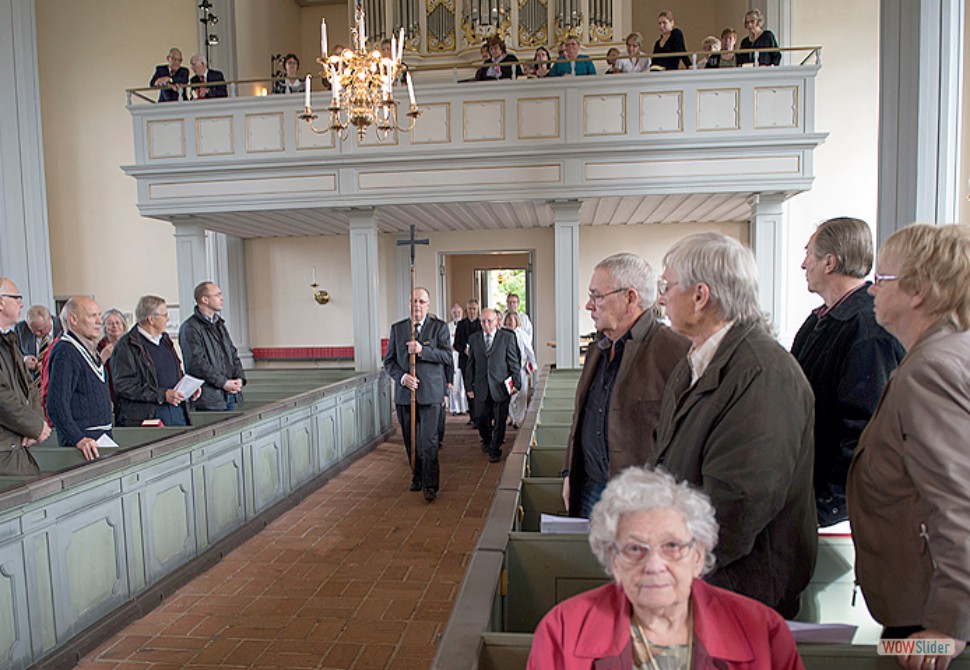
pixel 634 554
pixel 13 296
pixel 663 286
pixel 879 279
pixel 597 298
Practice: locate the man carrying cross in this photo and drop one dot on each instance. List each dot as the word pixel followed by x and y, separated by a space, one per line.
pixel 431 347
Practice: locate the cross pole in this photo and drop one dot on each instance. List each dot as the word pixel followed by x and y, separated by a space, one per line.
pixel 412 242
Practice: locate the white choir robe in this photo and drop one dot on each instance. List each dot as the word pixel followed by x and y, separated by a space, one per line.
pixel 520 401
pixel 457 400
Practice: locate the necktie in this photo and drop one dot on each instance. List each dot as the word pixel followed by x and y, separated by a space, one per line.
pixel 42 348
pixel 417 331
pixel 488 342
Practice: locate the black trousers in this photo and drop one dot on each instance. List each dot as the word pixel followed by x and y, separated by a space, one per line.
pixel 425 461
pixel 491 416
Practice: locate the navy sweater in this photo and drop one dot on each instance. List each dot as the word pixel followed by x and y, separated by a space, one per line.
pixel 77 398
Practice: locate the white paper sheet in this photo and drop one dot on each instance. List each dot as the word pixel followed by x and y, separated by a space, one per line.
pixel 563 525
pixel 822 633
pixel 105 441
pixel 188 385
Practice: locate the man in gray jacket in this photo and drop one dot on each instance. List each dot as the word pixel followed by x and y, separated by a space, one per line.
pixel 737 421
pixel 209 353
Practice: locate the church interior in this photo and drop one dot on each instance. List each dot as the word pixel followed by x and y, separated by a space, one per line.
pixel 109 193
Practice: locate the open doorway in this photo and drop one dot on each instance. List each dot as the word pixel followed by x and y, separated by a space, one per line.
pixel 487 276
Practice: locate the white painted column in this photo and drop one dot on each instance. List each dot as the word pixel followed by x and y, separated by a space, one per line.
pixel 191 263
pixel 365 272
pixel 25 255
pixel 919 112
pixel 226 255
pixel 767 233
pixel 566 218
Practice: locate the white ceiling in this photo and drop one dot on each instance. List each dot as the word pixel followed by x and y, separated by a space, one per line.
pixel 607 211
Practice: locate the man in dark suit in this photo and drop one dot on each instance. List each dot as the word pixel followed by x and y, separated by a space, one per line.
pixel 493 365
pixel 203 75
pixel 470 324
pixel 37 333
pixel 170 74
pixel 432 349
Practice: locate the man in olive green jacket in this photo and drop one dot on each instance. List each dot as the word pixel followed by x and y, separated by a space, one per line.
pixel 22 422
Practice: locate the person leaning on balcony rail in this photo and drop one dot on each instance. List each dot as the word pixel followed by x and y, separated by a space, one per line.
pixel 671 40
pixel 611 57
pixel 907 493
pixel 500 63
pixel 712 60
pixel 758 38
pixel 655 538
pixel 729 42
pixel 572 63
pixel 205 75
pixel 171 74
pixel 292 82
pixel 541 67
pixel 633 61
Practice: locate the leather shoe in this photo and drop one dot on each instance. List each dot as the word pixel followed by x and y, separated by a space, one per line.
pixel 495 458
pixel 415 485
pixel 430 495
pixel 484 447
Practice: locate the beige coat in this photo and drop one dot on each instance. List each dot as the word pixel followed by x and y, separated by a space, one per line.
pixel 909 491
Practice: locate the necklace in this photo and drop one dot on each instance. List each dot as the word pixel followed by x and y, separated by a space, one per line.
pixel 640 662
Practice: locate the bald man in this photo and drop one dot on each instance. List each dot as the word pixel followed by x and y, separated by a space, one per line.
pixel 78 397
pixel 22 423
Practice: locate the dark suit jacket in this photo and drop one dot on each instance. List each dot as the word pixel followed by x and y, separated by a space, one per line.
pixel 28 341
pixel 217 91
pixel 168 94
pixel 485 374
pixel 463 331
pixel 430 365
pixel 505 69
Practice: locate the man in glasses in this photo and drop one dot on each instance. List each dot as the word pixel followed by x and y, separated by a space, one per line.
pixel 37 333
pixel 845 354
pixel 22 422
pixel 623 380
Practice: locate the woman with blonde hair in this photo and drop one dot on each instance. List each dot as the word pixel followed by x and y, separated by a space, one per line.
pixel 760 39
pixel 634 61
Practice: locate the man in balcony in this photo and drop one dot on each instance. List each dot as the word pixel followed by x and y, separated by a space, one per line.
pixel 205 75
pixel 845 354
pixel 574 62
pixel 171 74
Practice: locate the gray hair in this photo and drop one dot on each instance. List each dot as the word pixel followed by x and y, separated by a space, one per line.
pixel 630 271
pixel 850 241
pixel 639 490
pixel 65 314
pixel 728 269
pixel 147 306
pixel 38 313
pixel 198 56
pixel 112 312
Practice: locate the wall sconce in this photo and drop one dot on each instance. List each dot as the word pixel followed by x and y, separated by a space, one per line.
pixel 321 295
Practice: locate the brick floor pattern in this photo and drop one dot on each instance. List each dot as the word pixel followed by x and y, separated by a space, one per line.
pixel 362 574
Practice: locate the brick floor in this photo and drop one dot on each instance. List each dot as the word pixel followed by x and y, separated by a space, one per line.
pixel 362 574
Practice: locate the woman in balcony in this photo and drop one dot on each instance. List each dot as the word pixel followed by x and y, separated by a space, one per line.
pixel 729 42
pixel 292 83
pixel 760 39
pixel 655 537
pixel 501 64
pixel 634 61
pixel 671 41
pixel 541 67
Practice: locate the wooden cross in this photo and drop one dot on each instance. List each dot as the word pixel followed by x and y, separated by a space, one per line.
pixel 412 242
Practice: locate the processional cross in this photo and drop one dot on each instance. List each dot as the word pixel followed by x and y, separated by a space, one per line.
pixel 412 242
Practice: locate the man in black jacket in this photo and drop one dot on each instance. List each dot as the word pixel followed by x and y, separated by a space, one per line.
pixel 145 370
pixel 210 354
pixel 845 354
pixel 432 349
pixel 171 74
pixel 493 366
pixel 465 328
pixel 205 75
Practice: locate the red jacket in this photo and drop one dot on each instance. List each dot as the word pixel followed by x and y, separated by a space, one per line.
pixel 592 631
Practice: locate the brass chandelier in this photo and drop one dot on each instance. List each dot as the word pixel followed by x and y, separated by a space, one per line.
pixel 362 86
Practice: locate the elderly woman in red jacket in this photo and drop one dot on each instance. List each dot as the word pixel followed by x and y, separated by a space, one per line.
pixel 655 537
